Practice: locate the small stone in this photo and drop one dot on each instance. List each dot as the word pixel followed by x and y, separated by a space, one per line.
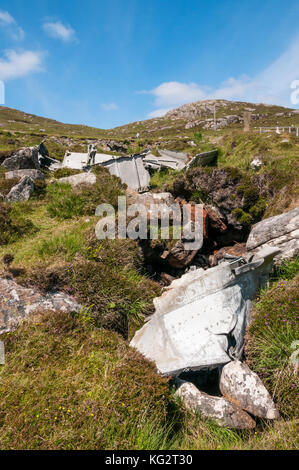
pixel 244 387
pixel 224 412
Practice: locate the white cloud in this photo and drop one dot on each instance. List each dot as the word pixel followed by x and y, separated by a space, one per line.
pixel 109 106
pixel 6 17
pixel 172 93
pixel 59 31
pixel 271 86
pixel 158 112
pixel 16 65
pixel 11 27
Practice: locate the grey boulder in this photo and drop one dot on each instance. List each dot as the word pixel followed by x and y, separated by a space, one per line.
pixel 34 174
pixel 80 178
pixel 21 191
pixel 242 386
pixel 224 412
pixel 281 231
pixel 23 159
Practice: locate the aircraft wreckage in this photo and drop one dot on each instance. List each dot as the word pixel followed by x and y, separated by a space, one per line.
pixel 200 319
pixel 133 169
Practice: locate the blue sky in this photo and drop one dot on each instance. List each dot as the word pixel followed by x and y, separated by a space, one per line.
pixel 109 62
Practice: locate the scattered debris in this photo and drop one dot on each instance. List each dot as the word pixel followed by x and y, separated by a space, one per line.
pixel 129 169
pixel 201 318
pixel 167 159
pixel 204 159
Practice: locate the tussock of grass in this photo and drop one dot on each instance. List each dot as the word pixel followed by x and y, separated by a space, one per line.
pixel 64 172
pixel 68 244
pixel 271 343
pixel 66 202
pixel 12 226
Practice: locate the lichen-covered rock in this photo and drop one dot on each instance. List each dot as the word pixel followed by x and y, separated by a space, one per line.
pixel 244 387
pixel 281 231
pixel 224 412
pixel 23 159
pixel 17 302
pixel 34 174
pixel 80 178
pixel 21 191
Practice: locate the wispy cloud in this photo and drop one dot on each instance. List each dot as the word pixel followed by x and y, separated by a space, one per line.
pixel 271 86
pixel 109 106
pixel 59 30
pixel 10 25
pixel 16 65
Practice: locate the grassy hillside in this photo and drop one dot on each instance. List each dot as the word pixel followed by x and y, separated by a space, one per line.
pixel 73 382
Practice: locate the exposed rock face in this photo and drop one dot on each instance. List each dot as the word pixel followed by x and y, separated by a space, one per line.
pixel 21 191
pixel 243 387
pixel 23 159
pixel 224 189
pixel 16 302
pixel 34 174
pixel 216 219
pixel 281 231
pixel 224 412
pixel 178 257
pixel 200 319
pixel 80 178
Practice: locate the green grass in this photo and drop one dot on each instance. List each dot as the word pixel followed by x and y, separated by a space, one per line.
pixel 271 342
pixel 66 385
pixel 65 202
pixel 12 225
pixel 56 362
pixel 108 396
pixel 67 245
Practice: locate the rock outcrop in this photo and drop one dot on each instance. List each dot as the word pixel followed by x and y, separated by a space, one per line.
pixel 244 388
pixel 17 302
pixel 21 191
pixel 24 159
pixel 80 178
pixel 34 174
pixel 224 412
pixel 281 231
